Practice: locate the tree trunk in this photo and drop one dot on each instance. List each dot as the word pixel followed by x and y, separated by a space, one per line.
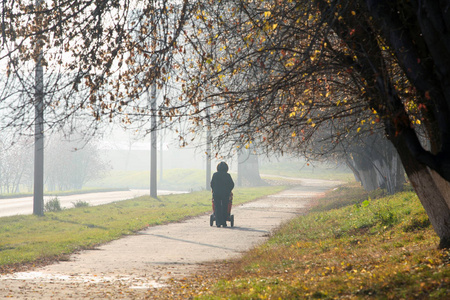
pixel 433 192
pixel 433 200
pixel 248 169
pixel 366 172
pixel 400 179
pixel 355 171
pixel 369 179
pixel 376 163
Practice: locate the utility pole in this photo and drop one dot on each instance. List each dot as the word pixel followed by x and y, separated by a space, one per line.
pixel 161 155
pixel 153 150
pixel 208 150
pixel 38 195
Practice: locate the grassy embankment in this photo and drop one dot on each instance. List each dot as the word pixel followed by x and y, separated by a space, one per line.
pixel 27 240
pixel 349 246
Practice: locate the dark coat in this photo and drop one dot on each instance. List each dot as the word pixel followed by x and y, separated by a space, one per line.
pixel 221 183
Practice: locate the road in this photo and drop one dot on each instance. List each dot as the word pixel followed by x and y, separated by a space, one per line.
pixel 133 266
pixel 24 206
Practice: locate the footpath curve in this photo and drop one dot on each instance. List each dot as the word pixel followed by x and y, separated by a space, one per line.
pixel 131 266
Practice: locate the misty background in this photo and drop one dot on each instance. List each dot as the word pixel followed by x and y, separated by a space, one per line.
pixel 121 160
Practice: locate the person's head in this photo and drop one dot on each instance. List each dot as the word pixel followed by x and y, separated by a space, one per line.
pixel 222 167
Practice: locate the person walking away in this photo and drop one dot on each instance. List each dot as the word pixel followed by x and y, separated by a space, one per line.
pixel 221 184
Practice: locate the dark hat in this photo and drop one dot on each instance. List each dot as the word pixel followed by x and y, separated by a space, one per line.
pixel 222 167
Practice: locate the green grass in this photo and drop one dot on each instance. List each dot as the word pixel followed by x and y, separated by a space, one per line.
pixel 371 247
pixel 30 239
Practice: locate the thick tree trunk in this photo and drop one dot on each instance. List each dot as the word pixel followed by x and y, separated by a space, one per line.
pixel 434 201
pixel 355 171
pixel 364 171
pixel 400 179
pixel 248 169
pixel 376 164
pixel 443 185
pixel 369 179
pixel 432 190
pixel 389 170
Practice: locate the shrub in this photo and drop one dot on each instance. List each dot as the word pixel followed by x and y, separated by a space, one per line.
pixel 80 203
pixel 386 217
pixel 53 205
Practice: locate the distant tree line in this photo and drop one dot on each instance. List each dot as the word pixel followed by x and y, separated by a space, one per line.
pixel 68 165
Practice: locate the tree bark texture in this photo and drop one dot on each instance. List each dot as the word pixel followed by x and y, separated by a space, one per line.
pixel 433 192
pixel 417 33
pixel 377 164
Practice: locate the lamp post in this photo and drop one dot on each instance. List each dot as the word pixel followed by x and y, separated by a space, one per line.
pixel 153 139
pixel 38 193
pixel 208 149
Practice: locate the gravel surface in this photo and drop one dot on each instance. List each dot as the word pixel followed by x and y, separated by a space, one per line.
pixel 131 267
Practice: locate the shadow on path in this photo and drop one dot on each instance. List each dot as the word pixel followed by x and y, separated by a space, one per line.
pixel 188 241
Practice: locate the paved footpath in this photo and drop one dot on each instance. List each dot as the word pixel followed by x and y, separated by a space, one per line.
pixel 127 268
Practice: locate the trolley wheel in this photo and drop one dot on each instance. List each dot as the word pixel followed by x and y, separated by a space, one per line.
pixel 232 220
pixel 211 220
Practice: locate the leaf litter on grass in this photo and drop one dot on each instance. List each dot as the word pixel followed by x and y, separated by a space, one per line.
pixel 377 248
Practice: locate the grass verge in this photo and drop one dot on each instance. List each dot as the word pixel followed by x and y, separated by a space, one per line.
pixel 351 245
pixel 29 240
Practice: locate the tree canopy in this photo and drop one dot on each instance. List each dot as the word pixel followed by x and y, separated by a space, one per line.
pixel 100 57
pixel 278 71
